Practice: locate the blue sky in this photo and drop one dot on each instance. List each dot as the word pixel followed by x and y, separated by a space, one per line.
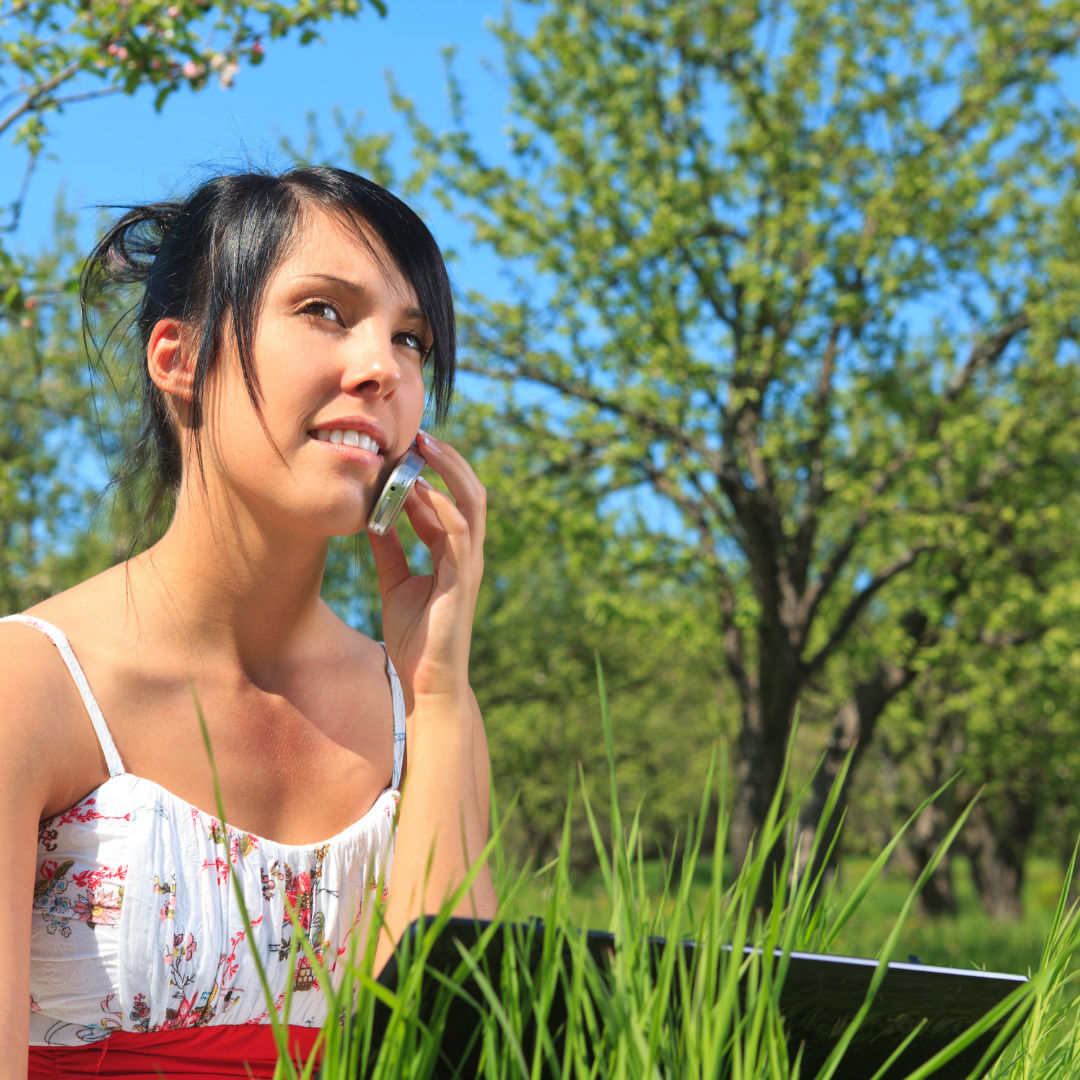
pixel 119 150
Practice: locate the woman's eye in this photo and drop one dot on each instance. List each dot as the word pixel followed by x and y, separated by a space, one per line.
pixel 411 340
pixel 321 310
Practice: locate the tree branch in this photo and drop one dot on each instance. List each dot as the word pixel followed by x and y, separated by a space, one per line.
pixel 807 530
pixel 983 354
pixel 33 97
pixel 584 391
pixel 859 601
pixel 88 95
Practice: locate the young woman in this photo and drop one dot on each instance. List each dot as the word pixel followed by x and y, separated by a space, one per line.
pixel 285 327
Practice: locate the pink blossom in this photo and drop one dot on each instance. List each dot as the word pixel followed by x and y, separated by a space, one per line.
pixel 181 950
pixel 191 70
pixel 97 908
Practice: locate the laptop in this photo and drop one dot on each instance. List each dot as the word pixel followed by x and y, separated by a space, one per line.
pixel 821 994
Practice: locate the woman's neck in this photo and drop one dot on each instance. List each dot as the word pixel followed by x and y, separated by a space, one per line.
pixel 236 585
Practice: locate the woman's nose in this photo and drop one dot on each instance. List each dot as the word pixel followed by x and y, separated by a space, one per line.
pixel 375 371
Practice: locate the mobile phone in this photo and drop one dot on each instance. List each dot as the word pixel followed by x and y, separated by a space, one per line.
pixel 400 483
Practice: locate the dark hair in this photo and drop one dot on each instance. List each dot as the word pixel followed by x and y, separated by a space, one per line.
pixel 206 261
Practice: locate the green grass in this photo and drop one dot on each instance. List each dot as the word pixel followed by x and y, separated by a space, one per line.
pixel 643 1015
pixel 970 939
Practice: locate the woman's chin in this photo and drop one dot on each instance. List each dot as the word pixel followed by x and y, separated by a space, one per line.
pixel 328 522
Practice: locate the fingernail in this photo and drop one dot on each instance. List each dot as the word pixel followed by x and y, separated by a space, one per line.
pixel 430 442
pixel 422 482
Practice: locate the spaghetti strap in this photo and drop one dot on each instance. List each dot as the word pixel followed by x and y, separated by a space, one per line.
pixel 399 719
pixel 108 747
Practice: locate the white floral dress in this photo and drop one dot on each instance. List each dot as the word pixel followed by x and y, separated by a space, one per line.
pixel 135 923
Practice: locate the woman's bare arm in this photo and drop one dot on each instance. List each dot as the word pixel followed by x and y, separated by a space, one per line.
pixel 28 694
pixel 49 759
pixel 481 763
pixel 427 623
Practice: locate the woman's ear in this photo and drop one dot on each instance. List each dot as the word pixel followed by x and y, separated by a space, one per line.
pixel 171 366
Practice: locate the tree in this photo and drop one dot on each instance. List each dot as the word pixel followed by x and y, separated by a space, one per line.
pixel 43 394
pixel 805 272
pixel 63 425
pixel 996 704
pixel 568 579
pixel 57 53
pixel 990 612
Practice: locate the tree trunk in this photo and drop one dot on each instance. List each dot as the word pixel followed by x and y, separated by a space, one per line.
pixel 938 896
pixel 996 850
pixel 762 746
pixel 853 728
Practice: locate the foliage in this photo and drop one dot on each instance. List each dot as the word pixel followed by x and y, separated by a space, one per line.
pixel 806 274
pixel 56 53
pixel 995 695
pixel 44 431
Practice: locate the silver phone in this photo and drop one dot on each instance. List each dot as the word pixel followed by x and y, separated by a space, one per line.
pixel 400 483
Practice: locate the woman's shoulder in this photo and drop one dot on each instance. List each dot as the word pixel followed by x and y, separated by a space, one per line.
pixel 353 646
pixel 32 670
pixel 44 719
pixel 90 601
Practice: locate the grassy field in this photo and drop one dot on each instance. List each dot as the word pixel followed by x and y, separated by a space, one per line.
pixel 622 1020
pixel 970 939
pixel 640 1011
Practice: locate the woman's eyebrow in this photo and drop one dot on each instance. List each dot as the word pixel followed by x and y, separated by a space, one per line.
pixel 354 287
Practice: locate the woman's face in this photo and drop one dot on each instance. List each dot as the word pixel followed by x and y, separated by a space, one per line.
pixel 339 353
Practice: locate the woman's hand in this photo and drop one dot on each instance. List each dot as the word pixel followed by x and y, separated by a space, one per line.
pixel 427 618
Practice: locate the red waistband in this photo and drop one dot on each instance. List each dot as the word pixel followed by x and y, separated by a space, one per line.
pixel 227 1050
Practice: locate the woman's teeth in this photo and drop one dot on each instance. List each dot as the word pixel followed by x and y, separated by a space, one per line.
pixel 348 437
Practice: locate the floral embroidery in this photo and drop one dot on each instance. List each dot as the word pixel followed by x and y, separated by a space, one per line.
pixel 239 844
pixel 69 892
pixel 112 1020
pixel 49 896
pixel 140 1013
pixel 82 813
pixel 98 908
pixel 304 978
pixel 95 907
pixel 168 890
pixel 93 879
pixel 181 949
pixel 303 891
pixel 196 1010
